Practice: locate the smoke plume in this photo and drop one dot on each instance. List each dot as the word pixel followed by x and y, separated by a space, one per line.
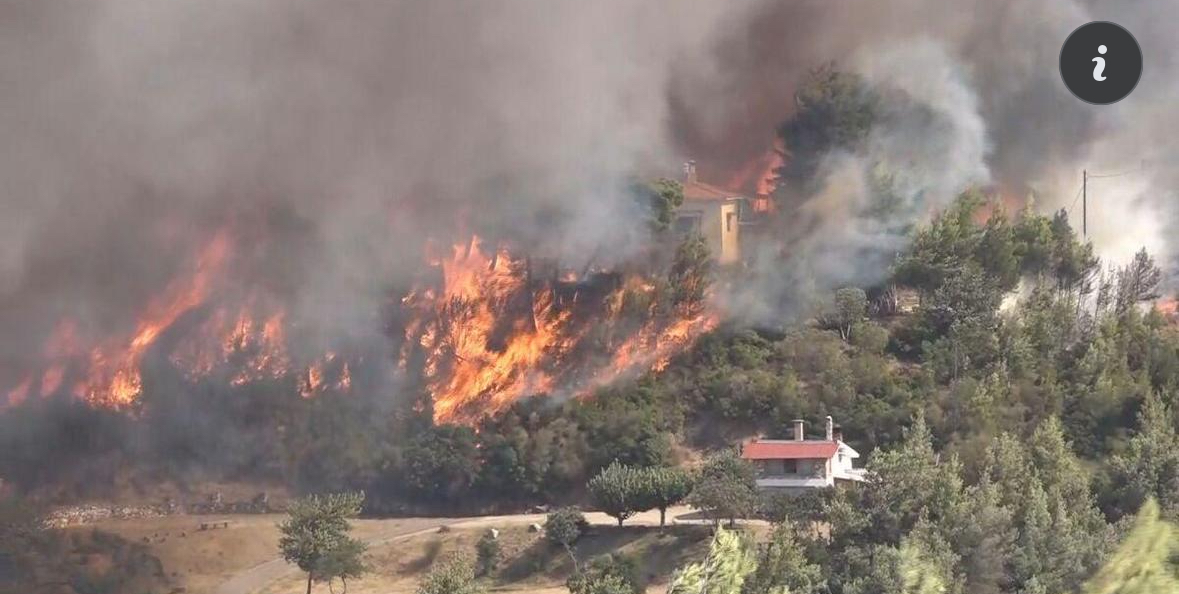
pixel 340 140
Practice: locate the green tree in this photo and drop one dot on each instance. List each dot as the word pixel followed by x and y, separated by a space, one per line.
pixel 727 487
pixel 997 251
pixel 1145 561
pixel 905 484
pixel 563 527
pixel 315 537
pixel 442 463
pixel 665 488
pixel 660 198
pixel 614 573
pixel 603 584
pixel 1073 263
pixel 690 274
pixel 455 575
pixel 782 566
pixel 1138 281
pixel 1059 536
pixel 730 560
pixel 488 553
pixel 851 305
pixel 925 563
pixel 344 561
pixel 1149 468
pixel 620 491
pixel 833 110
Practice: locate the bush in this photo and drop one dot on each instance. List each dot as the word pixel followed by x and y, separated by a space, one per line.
pixel 453 576
pixel 608 574
pixel 564 526
pixel 487 554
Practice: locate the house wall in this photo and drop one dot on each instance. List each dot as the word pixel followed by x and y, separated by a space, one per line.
pixel 801 468
pixel 719 225
pixel 730 233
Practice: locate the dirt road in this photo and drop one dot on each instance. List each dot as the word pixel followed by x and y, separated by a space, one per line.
pixel 259 576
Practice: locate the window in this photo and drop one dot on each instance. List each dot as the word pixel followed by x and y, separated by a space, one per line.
pixel 790 467
pixel 688 223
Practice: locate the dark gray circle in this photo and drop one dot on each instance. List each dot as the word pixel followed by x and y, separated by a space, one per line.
pixel 1100 62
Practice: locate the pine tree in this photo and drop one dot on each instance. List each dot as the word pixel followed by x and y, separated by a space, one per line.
pixel 1150 465
pixel 1145 561
pixel 782 565
pixel 729 562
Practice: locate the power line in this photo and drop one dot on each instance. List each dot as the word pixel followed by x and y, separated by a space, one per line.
pixel 1085 177
pixel 1120 173
pixel 1075 198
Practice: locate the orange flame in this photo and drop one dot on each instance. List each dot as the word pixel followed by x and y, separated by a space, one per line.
pixel 465 362
pixel 759 175
pixel 115 381
pixel 253 350
pixel 493 335
pixel 490 333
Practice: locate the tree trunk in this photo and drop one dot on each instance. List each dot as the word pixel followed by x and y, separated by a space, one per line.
pixel 662 517
pixel 619 521
pixel 308 582
pixel 576 568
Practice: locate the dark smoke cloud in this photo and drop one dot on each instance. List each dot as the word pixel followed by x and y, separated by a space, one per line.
pixel 1001 58
pixel 347 134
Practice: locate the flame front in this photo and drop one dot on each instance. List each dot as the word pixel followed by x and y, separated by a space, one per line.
pixel 466 364
pixel 249 340
pixel 490 330
pixel 492 333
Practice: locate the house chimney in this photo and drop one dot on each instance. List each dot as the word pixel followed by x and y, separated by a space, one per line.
pixel 799 433
pixel 690 172
pixel 830 429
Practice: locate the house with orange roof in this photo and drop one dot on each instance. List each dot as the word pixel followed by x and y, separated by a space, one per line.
pixel 799 464
pixel 712 212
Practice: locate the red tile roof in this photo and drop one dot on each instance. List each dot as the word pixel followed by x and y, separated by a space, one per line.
pixel 694 190
pixel 788 450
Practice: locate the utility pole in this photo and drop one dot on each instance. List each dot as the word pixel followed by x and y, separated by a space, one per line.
pixel 1084 203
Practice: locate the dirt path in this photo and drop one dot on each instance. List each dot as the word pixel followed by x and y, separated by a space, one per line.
pixel 259 576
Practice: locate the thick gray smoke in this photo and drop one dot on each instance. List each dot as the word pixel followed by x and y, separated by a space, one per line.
pixel 342 137
pixel 987 71
pixel 349 134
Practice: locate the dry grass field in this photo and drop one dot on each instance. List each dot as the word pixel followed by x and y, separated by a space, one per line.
pixel 530 564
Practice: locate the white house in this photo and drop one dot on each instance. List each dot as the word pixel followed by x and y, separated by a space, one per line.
pixel 713 213
pixel 801 463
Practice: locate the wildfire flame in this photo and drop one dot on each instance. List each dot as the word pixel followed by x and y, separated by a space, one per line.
pixel 492 334
pixel 760 175
pixel 489 329
pixel 250 339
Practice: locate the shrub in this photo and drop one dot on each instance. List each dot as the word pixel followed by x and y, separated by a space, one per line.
pixel 487 554
pixel 564 526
